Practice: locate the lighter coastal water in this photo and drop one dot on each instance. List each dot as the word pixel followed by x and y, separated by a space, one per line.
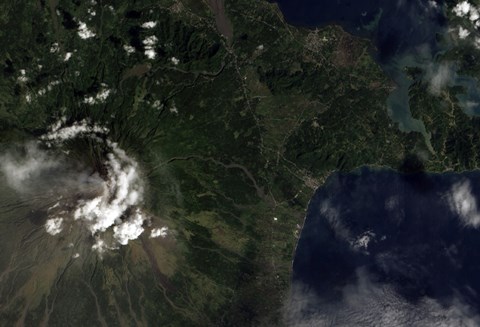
pixel 405 33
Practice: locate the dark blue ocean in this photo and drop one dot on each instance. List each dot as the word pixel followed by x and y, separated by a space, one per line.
pixel 382 248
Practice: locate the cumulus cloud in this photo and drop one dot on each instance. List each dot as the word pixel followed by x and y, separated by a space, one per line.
pixel 149 25
pixel 462 9
pixel 84 32
pixel 122 189
pixel 465 9
pixel 109 206
pixel 149 43
pixel 159 232
pixel 463 32
pixel 53 226
pixel 100 246
pixel 474 15
pixel 129 49
pixel 463 202
pixel 59 134
pixel 150 40
pixel 362 241
pixel 150 53
pixel 100 97
pixel 129 229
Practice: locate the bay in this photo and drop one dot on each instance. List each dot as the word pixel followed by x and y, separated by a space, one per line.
pixel 383 248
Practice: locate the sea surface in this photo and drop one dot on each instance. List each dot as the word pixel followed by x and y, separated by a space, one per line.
pixel 382 248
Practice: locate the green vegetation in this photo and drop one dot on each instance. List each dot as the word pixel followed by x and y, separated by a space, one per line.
pixel 232 140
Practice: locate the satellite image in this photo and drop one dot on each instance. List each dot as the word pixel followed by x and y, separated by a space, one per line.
pixel 240 163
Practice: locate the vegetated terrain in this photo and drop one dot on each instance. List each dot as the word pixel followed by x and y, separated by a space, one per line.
pixel 235 122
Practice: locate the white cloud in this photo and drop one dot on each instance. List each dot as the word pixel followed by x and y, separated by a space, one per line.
pixel 174 109
pixel 54 48
pixel 52 84
pixel 463 203
pixel 462 9
pixel 150 53
pixel 22 78
pixel 362 241
pixel 159 232
pixel 67 57
pixel 130 229
pixel 123 190
pixel 149 25
pixel 175 61
pixel 465 9
pixel 56 205
pixel 84 32
pixel 53 226
pixel 474 15
pixel 111 212
pixel 100 97
pixel 463 32
pixel 100 246
pixel 129 49
pixel 108 206
pixel 150 42
pixel 77 129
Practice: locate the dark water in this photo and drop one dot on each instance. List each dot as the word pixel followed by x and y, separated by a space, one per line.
pixel 380 248
pixel 396 26
pixel 405 33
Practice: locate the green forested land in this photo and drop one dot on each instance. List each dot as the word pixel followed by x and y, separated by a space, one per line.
pixel 240 132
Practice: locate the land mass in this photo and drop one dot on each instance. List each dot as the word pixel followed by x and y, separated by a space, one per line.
pixel 235 122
